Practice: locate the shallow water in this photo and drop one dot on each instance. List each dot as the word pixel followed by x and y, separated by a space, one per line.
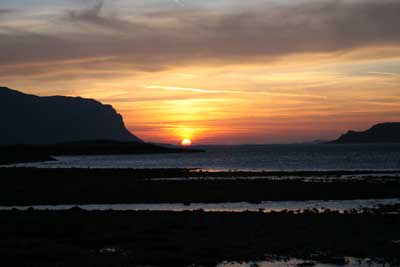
pixel 291 176
pixel 266 206
pixel 250 157
pixel 351 262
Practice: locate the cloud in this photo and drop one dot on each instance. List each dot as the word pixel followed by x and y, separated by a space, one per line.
pixel 195 90
pixel 168 37
pixel 207 91
pixel 93 15
pixel 6 11
pixel 381 73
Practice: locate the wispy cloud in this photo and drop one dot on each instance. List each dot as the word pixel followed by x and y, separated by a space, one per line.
pixel 207 91
pixel 93 16
pixel 380 103
pixel 383 73
pixel 195 90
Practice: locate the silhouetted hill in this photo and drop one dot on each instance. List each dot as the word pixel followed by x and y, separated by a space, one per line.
pixel 30 119
pixel 36 153
pixel 22 154
pixel 379 133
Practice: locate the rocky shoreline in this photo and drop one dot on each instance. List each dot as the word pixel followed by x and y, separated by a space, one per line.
pixel 198 238
pixel 77 237
pixel 31 186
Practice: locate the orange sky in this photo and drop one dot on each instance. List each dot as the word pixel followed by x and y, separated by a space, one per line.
pixel 213 72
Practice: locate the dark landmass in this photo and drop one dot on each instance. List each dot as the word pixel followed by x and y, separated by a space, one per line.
pixel 11 156
pixel 315 142
pixel 30 119
pixel 37 153
pixel 379 133
pixel 170 173
pixel 179 239
pixel 85 186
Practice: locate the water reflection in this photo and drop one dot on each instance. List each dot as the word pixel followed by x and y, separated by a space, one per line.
pixel 266 206
pixel 251 158
pixel 350 262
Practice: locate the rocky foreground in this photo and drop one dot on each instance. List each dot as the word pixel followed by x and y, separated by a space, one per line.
pixel 77 237
pixel 114 238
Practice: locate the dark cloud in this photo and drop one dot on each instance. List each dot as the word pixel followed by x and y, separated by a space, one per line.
pixel 94 17
pixel 4 12
pixel 184 37
pixel 91 14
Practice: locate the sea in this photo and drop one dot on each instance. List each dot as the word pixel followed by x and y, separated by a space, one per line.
pixel 286 158
pixel 296 157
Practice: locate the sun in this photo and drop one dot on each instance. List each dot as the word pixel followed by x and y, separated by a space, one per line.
pixel 186 142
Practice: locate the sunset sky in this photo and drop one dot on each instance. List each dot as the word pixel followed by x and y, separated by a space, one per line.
pixel 213 71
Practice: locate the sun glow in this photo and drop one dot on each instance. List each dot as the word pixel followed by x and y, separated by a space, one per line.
pixel 186 142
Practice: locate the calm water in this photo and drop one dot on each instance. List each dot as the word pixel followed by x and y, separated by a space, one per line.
pixel 252 157
pixel 351 262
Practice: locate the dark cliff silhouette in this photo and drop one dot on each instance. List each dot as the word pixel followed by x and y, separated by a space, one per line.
pixel 36 128
pixel 30 119
pixel 380 133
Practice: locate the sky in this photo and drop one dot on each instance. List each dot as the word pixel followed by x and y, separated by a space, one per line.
pixel 213 71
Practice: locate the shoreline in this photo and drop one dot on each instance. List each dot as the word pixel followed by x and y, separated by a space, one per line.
pixel 154 173
pixel 342 206
pixel 86 186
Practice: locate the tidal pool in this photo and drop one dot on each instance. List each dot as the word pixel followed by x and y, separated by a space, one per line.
pixel 266 206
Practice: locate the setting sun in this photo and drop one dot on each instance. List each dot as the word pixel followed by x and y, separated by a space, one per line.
pixel 168 121
pixel 186 142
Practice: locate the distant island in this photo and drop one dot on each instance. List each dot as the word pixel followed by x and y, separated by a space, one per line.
pixel 380 133
pixel 37 128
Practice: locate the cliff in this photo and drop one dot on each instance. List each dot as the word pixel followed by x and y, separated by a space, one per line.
pixel 30 119
pixel 379 133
